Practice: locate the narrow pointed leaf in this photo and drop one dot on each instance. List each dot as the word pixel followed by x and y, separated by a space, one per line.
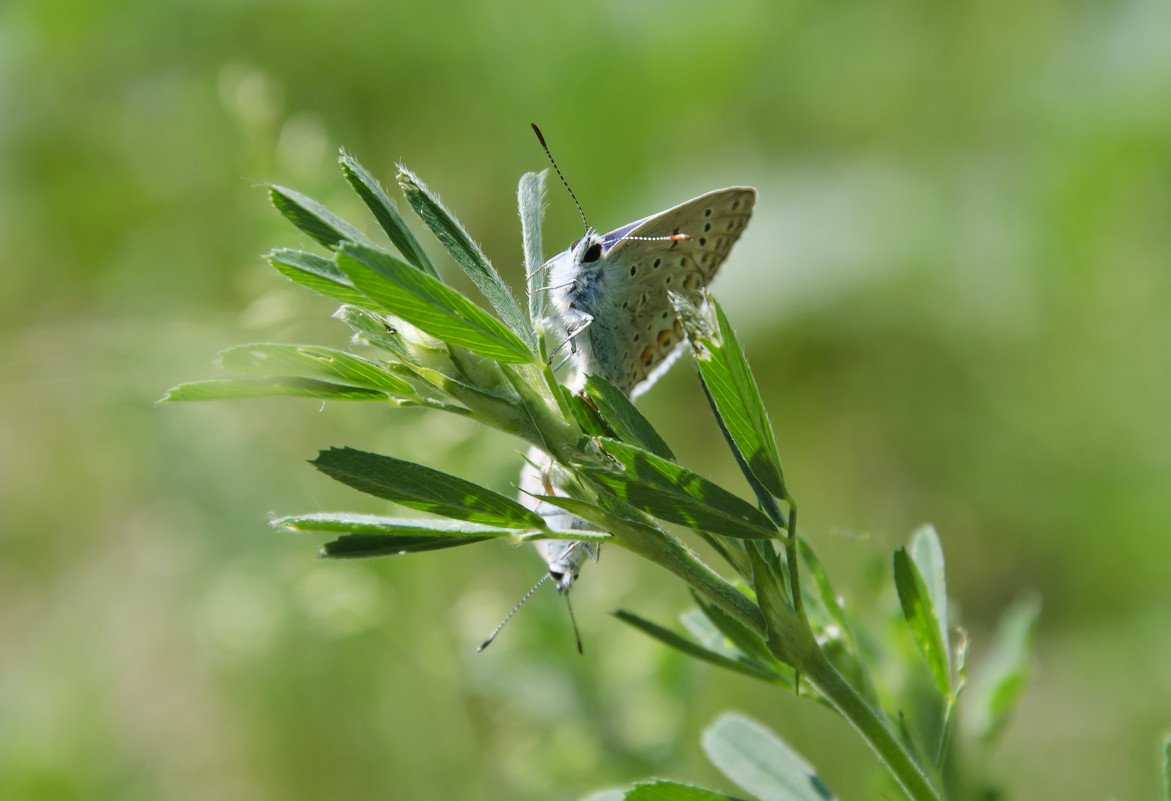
pixel 999 684
pixel 317 273
pixel 624 418
pixel 920 614
pixel 235 388
pixel 674 493
pixel 384 210
pixel 266 358
pixel 312 218
pixel 672 791
pixel 734 391
pixel 466 252
pixel 530 198
pixel 365 546
pixel 424 488
pixel 429 304
pixel 692 648
pixel 927 554
pixel 760 762
pixel 662 790
pixel 354 523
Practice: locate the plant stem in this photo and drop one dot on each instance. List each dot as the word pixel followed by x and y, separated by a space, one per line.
pixel 826 679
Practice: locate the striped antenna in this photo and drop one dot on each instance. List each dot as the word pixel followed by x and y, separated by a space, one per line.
pixel 541 139
pixel 528 595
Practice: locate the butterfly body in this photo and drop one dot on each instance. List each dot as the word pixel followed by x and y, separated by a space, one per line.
pixel 610 292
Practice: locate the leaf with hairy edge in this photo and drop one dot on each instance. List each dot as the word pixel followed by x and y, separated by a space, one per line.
pixel 317 273
pixel 674 493
pixel 760 762
pixel 384 210
pixel 920 614
pixel 692 648
pixel 466 252
pixel 267 358
pixel 235 388
pixel 314 219
pixel 734 392
pixel 424 488
pixel 429 304
pixel 672 791
pixel 530 199
pixel 624 417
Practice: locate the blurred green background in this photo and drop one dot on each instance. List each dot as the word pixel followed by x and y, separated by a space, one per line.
pixel 954 293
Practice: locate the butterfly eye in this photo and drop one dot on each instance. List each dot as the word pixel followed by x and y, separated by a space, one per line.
pixel 593 253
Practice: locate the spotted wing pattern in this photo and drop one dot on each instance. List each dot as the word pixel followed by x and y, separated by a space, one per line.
pixel 636 334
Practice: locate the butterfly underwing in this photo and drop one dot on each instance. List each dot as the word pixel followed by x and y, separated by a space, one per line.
pixel 609 293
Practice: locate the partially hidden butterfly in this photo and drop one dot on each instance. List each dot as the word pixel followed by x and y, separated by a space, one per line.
pixel 609 295
pixel 609 292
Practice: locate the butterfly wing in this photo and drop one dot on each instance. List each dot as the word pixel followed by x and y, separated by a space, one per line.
pixel 636 335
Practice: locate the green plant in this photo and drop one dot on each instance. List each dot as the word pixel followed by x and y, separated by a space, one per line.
pixel 779 621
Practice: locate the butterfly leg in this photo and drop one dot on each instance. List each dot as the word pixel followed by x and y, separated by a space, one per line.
pixel 583 321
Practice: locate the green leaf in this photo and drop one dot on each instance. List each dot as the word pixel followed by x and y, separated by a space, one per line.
pixel 376 329
pixel 781 619
pixel 235 388
pixel 760 762
pixel 624 418
pixel 736 396
pixel 467 253
pixel 423 488
pixel 674 493
pixel 927 554
pixel 396 287
pixel 600 517
pixel 312 218
pixel 748 641
pixel 530 199
pixel 317 273
pixel 921 616
pixel 587 416
pixel 694 649
pixel 266 358
pixel 1001 680
pixel 384 210
pixel 672 791
pixel 364 546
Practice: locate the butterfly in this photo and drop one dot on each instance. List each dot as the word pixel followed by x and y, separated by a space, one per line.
pixel 609 292
pixel 609 295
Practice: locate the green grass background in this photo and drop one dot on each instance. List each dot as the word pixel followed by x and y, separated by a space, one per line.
pixel 954 293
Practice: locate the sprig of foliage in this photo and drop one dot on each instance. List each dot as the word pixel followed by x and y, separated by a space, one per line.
pixel 780 620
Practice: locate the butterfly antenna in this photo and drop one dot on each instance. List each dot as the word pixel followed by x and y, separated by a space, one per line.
pixel 573 621
pixel 541 139
pixel 668 238
pixel 516 608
